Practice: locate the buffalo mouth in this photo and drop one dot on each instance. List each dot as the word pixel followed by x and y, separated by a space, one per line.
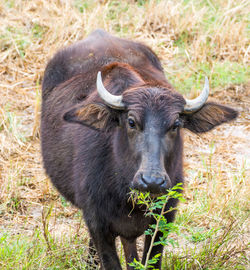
pixel 154 192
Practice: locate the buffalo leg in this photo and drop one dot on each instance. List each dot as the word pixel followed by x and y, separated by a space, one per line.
pixel 130 251
pixel 105 246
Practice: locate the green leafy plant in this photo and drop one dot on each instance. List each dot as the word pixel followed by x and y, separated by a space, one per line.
pixel 156 208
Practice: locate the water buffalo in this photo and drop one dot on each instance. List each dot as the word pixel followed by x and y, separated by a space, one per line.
pixel 111 122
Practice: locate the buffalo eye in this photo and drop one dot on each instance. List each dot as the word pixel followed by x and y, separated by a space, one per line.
pixel 131 123
pixel 176 125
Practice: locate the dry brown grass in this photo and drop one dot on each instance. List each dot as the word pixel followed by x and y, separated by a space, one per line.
pixel 183 35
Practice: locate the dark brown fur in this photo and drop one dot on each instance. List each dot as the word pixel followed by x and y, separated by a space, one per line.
pixel 94 163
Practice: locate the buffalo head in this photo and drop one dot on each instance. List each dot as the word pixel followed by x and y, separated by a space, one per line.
pixel 145 122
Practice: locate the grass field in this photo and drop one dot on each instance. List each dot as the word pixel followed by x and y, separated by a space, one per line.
pixel 38 228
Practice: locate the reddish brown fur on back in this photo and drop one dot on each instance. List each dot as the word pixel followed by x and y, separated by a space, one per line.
pixel 118 77
pixel 123 69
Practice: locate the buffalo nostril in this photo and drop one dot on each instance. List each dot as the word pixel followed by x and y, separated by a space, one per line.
pixel 162 184
pixel 143 179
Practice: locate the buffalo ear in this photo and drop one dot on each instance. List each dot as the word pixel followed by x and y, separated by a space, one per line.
pixel 208 117
pixel 96 116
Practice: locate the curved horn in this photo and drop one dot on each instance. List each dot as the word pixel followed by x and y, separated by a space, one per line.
pixel 193 105
pixel 112 101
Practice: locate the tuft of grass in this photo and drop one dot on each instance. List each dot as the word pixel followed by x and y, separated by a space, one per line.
pixel 220 74
pixel 30 252
pixel 216 250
